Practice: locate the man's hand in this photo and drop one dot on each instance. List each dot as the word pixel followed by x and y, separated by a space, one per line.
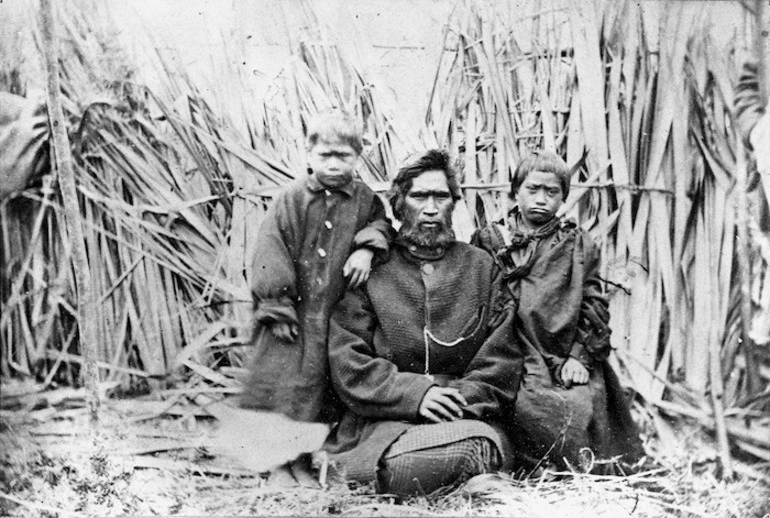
pixel 442 404
pixel 358 266
pixel 284 331
pixel 573 372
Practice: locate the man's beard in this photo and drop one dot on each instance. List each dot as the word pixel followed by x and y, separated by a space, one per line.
pixel 440 235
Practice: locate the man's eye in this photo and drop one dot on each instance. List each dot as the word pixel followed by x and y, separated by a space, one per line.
pixel 442 196
pixel 553 192
pixel 418 196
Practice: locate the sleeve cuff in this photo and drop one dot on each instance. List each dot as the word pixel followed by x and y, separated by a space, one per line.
pixel 580 353
pixel 370 238
pixel 415 395
pixel 276 310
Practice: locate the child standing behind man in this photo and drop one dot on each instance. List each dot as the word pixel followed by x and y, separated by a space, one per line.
pixel 570 397
pixel 320 235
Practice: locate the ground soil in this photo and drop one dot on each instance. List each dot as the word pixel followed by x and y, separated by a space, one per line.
pixel 152 459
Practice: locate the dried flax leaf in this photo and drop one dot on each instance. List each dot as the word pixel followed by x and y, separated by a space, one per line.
pixel 660 243
pixel 172 336
pixel 210 374
pixel 470 171
pixel 150 355
pixel 580 191
pixel 590 77
pixel 682 206
pixel 618 157
pixel 634 78
pixel 576 144
pixel 643 333
pixel 703 298
pixel 200 342
pixel 640 127
pixel 724 240
pixel 119 356
pixel 546 116
pixel 601 232
pixel 503 171
pixel 488 65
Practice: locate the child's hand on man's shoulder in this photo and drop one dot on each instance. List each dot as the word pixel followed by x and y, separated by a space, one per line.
pixel 358 267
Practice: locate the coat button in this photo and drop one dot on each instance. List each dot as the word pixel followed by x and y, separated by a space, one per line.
pixel 322 252
pixel 427 268
pixel 413 248
pixel 328 224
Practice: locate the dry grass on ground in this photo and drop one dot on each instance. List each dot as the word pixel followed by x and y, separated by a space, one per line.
pixel 149 459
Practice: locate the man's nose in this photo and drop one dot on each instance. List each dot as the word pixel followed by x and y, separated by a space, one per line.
pixel 431 207
pixel 540 197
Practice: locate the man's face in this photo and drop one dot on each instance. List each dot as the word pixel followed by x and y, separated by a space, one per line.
pixel 333 162
pixel 427 215
pixel 539 197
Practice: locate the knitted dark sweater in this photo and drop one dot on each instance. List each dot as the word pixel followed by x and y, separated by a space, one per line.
pixel 416 318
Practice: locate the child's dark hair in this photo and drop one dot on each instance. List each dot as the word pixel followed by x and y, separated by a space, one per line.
pixel 335 124
pixel 546 162
pixel 431 160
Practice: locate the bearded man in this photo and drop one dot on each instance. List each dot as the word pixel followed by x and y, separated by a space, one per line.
pixel 423 355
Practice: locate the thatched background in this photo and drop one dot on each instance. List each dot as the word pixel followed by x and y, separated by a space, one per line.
pixel 173 181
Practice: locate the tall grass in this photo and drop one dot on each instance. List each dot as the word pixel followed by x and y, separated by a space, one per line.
pixel 657 188
pixel 173 194
pixel 174 184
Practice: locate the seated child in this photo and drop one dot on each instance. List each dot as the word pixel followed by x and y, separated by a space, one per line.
pixel 319 235
pixel 570 397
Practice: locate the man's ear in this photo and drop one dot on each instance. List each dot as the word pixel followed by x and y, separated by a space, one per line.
pixel 398 208
pixel 396 202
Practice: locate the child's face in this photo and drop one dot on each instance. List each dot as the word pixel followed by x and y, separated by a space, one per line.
pixel 333 162
pixel 539 197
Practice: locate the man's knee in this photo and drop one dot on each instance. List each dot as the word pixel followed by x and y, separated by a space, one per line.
pixel 426 471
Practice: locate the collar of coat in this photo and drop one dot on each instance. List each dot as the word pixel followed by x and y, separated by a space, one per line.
pixel 422 253
pixel 521 236
pixel 315 186
pixel 518 255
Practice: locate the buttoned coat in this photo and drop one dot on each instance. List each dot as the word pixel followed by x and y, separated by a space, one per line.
pixel 306 237
pixel 415 324
pixel 562 312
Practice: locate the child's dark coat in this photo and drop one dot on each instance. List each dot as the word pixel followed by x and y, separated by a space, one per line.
pixel 308 234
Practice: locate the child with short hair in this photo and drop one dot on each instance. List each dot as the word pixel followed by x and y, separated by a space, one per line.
pixel 570 398
pixel 320 235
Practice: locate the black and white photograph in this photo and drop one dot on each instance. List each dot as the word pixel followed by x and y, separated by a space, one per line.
pixel 397 258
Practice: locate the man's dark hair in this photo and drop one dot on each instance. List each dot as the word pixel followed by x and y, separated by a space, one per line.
pixel 546 162
pixel 431 160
